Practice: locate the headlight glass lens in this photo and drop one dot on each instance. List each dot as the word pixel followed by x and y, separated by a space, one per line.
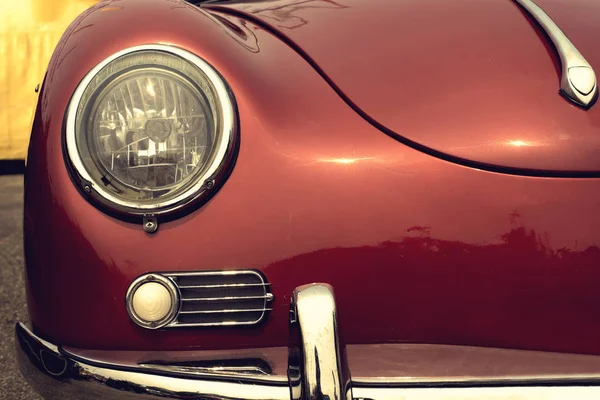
pixel 152 132
pixel 150 127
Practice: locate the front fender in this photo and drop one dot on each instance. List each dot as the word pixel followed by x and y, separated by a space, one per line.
pixel 80 261
pixel 418 249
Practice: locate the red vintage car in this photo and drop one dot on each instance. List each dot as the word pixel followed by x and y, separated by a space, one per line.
pixel 202 178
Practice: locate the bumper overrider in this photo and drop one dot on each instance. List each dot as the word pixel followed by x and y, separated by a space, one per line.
pixel 317 369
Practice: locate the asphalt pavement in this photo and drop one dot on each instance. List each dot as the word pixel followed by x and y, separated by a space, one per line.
pixel 12 292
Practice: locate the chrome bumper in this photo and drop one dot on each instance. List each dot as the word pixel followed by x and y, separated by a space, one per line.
pixel 317 369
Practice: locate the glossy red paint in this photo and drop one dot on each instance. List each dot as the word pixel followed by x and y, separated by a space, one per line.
pixel 476 81
pixel 418 249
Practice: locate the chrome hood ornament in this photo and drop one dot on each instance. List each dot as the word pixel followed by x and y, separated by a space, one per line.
pixel 578 83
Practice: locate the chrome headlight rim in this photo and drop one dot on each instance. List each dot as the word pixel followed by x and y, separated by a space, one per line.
pixel 198 193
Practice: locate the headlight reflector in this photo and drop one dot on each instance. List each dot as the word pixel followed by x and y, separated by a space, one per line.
pixel 149 127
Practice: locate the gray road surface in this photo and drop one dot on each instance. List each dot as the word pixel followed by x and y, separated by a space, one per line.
pixel 12 295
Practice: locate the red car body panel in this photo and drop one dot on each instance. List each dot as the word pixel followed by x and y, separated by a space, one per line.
pixel 418 249
pixel 474 81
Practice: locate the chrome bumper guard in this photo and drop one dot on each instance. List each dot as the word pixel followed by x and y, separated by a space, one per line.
pixel 317 369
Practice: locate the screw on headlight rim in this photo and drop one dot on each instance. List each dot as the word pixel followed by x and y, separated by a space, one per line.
pixel 150 223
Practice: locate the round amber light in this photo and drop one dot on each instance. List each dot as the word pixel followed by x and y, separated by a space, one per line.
pixel 152 302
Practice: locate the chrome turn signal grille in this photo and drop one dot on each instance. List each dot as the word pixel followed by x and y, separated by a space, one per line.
pixel 221 298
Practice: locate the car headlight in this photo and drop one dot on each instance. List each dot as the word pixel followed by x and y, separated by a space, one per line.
pixel 149 129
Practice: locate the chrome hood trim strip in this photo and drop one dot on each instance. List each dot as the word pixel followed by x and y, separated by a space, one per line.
pixel 578 82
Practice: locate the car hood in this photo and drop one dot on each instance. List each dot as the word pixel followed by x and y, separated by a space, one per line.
pixel 475 82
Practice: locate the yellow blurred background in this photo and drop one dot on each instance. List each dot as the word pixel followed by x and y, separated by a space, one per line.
pixel 29 30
